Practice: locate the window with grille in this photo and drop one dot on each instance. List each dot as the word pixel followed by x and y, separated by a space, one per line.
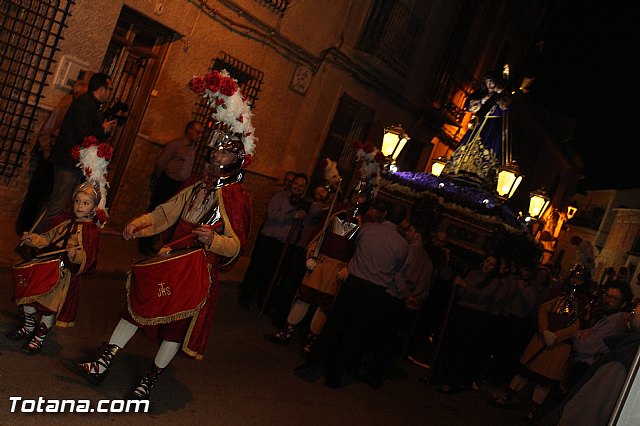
pixel 276 6
pixel 351 123
pixel 29 36
pixel 391 33
pixel 249 82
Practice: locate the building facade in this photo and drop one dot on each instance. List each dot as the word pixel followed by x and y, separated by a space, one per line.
pixel 320 75
pixel 609 220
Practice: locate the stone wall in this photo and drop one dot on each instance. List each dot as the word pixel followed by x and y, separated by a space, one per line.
pixel 13 191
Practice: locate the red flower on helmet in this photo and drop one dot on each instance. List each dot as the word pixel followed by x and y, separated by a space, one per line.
pixel 87 171
pixel 380 158
pixel 75 152
pixel 198 85
pixel 105 151
pixel 368 148
pixel 101 216
pixel 219 101
pixel 228 87
pixel 213 80
pixel 90 141
pixel 357 145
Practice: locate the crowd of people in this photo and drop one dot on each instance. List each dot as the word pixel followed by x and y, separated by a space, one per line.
pixel 396 292
pixel 375 283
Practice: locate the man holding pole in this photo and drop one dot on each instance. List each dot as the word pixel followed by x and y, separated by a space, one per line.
pixel 327 255
pixel 280 228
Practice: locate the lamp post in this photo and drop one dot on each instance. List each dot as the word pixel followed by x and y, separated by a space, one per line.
pixel 538 203
pixel 572 209
pixel 509 176
pixel 564 217
pixel 438 166
pixel 509 179
pixel 393 141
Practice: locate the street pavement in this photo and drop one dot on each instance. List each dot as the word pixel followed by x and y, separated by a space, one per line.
pixel 242 380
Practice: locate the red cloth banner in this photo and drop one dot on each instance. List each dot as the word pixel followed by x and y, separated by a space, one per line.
pixel 35 278
pixel 168 287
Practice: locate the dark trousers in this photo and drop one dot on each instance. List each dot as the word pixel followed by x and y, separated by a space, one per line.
pixel 464 346
pixel 510 338
pixel 264 259
pixel 39 189
pixel 364 318
pixel 164 189
pixel 289 284
pixel 65 181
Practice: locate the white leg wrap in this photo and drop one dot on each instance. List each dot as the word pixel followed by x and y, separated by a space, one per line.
pixel 123 333
pixel 166 353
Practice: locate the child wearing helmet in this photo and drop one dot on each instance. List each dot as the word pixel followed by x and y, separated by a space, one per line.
pixel 74 243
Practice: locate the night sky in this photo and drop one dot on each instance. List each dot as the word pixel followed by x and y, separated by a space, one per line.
pixel 587 71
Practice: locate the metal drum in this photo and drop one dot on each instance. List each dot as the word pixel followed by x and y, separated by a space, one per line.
pixel 168 287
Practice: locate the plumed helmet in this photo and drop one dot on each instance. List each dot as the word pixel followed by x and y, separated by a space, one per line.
pixel 229 107
pixel 90 189
pixel 220 140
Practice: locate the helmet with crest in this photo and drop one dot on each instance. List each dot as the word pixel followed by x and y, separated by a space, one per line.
pixel 232 112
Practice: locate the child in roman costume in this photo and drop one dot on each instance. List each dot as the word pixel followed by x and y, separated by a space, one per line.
pixel 56 300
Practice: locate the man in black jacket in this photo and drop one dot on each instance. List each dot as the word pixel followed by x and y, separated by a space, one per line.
pixel 83 119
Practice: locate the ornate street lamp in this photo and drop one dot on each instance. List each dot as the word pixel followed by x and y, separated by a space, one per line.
pixel 538 203
pixel 392 143
pixel 438 166
pixel 509 176
pixel 572 209
pixel 509 179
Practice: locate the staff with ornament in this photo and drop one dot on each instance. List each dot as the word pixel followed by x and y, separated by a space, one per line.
pixel 330 250
pixel 171 297
pixel 47 289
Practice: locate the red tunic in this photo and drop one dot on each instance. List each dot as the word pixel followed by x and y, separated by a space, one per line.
pixel 90 232
pixel 193 332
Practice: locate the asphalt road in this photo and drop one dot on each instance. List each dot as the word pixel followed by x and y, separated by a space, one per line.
pixel 243 379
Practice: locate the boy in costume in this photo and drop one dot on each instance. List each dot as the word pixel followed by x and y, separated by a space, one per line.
pixel 51 289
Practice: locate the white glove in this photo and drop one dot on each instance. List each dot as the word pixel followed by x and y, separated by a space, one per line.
pixel 311 264
pixel 549 338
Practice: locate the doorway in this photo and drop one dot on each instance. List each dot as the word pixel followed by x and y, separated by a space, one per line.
pixel 133 60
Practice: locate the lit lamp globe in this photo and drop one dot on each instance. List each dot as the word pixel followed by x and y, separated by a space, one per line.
pixel 509 179
pixel 438 166
pixel 538 203
pixel 393 141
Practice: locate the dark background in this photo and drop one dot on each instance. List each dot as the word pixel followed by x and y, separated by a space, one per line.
pixel 587 70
